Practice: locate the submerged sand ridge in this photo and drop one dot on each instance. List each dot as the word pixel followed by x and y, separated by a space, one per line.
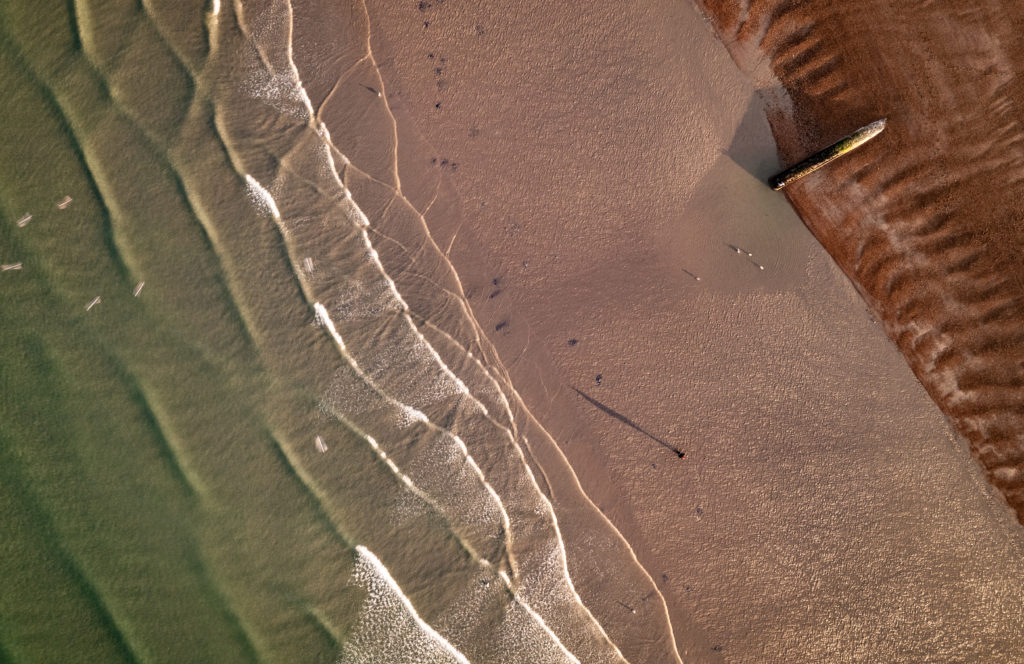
pixel 925 220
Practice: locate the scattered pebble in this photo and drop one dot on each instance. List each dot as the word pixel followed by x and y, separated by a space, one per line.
pixel 746 254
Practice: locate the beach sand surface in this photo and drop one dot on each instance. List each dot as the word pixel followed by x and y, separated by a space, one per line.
pixel 925 220
pixel 581 169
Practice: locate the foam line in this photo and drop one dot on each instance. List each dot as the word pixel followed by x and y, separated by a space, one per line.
pixel 324 318
pixel 262 197
pixel 365 555
pixel 322 315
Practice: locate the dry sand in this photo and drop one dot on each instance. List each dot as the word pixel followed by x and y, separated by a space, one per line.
pixel 582 167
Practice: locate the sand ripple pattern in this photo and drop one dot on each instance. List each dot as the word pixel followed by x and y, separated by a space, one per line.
pixel 925 221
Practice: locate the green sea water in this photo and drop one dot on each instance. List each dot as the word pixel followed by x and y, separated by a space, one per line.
pixel 249 447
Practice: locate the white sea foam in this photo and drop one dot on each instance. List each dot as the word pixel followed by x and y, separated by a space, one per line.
pixel 261 198
pixel 388 627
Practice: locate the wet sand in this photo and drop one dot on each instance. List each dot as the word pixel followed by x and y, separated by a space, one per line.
pixel 393 189
pixel 580 171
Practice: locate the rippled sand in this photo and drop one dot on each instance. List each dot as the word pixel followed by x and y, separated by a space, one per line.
pixel 924 220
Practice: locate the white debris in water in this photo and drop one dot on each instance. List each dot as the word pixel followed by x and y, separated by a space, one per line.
pixel 92 303
pixel 388 627
pixel 261 198
pixel 24 220
pixel 138 288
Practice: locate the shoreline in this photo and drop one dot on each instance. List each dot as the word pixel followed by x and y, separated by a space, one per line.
pixel 775 382
pixel 399 239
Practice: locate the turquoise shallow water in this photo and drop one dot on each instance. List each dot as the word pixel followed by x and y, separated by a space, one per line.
pixel 225 434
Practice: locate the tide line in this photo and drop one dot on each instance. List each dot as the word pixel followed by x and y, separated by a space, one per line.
pixel 549 511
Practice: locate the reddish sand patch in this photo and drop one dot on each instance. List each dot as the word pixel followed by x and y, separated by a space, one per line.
pixel 926 219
